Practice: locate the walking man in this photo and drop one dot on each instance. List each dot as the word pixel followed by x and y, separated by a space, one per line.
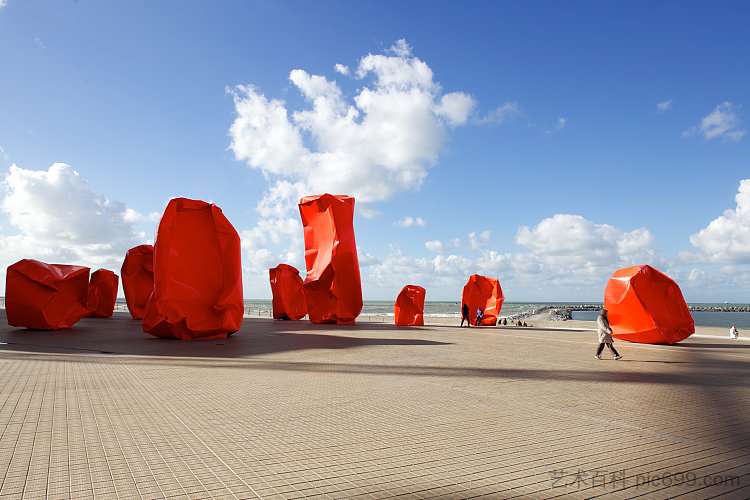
pixel 605 336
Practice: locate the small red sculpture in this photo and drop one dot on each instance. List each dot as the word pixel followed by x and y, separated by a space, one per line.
pixel 45 296
pixel 485 293
pixel 646 306
pixel 138 279
pixel 197 274
pixel 102 293
pixel 288 295
pixel 332 287
pixel 409 306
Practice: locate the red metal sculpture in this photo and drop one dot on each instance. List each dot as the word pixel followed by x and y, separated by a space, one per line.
pixel 646 306
pixel 332 287
pixel 197 274
pixel 138 279
pixel 409 306
pixel 102 293
pixel 485 293
pixel 45 296
pixel 288 294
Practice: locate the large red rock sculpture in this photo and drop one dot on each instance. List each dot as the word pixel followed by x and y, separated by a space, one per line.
pixel 197 274
pixel 102 293
pixel 138 279
pixel 332 287
pixel 486 293
pixel 288 295
pixel 646 306
pixel 409 306
pixel 45 296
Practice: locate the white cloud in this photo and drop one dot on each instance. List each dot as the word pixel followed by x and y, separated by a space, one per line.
pixel 501 114
pixel 722 123
pixel 410 221
pixel 342 69
pixel 664 105
pixel 3 3
pixel 571 247
pixel 337 146
pixel 727 238
pixel 436 246
pixel 59 220
pixel 559 125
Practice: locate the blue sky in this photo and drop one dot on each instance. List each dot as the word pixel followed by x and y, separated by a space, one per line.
pixel 546 144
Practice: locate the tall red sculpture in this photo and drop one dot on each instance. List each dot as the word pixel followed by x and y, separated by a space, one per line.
pixel 138 279
pixel 102 293
pixel 288 295
pixel 486 293
pixel 45 296
pixel 409 306
pixel 646 306
pixel 197 274
pixel 332 287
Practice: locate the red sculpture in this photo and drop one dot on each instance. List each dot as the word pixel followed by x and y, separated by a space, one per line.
pixel 138 279
pixel 45 296
pixel 332 286
pixel 102 293
pixel 646 306
pixel 288 295
pixel 409 306
pixel 485 293
pixel 197 274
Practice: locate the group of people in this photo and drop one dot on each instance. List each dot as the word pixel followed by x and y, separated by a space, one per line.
pixel 480 315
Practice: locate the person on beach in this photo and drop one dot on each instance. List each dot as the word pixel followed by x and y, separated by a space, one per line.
pixel 480 315
pixel 605 336
pixel 465 316
pixel 733 333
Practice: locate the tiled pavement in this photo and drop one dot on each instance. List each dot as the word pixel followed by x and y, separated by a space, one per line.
pixel 292 410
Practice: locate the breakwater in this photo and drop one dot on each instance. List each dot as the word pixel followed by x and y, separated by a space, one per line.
pixel 562 312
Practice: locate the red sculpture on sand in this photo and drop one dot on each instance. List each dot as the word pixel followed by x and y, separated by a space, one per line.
pixel 485 293
pixel 45 296
pixel 409 306
pixel 197 274
pixel 646 306
pixel 138 279
pixel 102 293
pixel 332 286
pixel 288 295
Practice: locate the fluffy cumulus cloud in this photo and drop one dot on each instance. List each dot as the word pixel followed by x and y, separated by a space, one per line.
pixel 572 248
pixel 58 219
pixel 722 123
pixel 338 145
pixel 727 238
pixel 373 145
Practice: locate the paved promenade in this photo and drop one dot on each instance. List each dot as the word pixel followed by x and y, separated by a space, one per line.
pixel 294 410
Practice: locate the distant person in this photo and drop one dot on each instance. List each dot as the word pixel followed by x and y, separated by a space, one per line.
pixel 480 315
pixel 524 324
pixel 733 332
pixel 465 316
pixel 505 321
pixel 605 336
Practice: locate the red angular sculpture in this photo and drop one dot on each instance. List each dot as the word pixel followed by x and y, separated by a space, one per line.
pixel 138 278
pixel 332 287
pixel 646 306
pixel 288 295
pixel 197 274
pixel 486 293
pixel 409 306
pixel 102 293
pixel 45 296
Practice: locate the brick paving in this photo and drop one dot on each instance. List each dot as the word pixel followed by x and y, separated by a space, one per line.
pixel 294 410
